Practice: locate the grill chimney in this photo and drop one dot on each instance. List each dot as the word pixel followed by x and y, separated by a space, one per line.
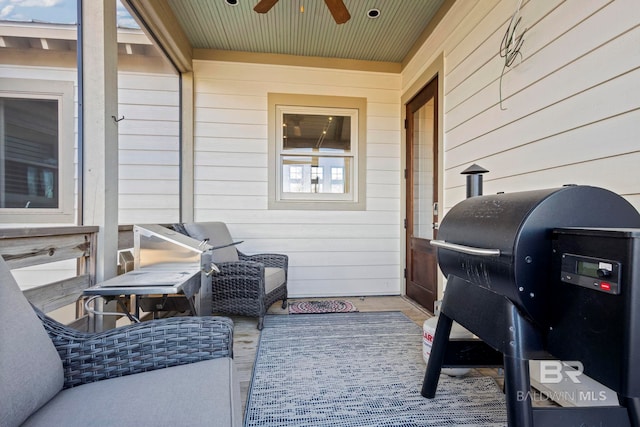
pixel 474 179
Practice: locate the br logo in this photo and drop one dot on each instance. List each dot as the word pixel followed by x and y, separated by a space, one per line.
pixel 555 371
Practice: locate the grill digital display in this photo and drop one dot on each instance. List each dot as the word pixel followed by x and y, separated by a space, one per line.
pixel 594 269
pixel 593 273
pixel 586 268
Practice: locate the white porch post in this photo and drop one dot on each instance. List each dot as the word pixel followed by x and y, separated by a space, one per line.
pixel 100 106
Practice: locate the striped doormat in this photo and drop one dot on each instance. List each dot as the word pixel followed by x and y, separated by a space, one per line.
pixel 321 307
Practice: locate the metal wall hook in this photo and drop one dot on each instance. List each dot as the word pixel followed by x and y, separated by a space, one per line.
pixel 212 268
pixel 115 119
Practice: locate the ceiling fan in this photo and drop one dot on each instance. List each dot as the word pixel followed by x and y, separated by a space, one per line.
pixel 337 8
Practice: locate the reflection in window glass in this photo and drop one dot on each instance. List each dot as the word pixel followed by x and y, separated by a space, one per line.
pixel 337 174
pixel 337 180
pixel 306 174
pixel 29 152
pixel 316 132
pixel 295 173
pixel 316 179
pixel 316 173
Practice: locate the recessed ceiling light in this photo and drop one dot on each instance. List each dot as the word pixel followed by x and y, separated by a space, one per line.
pixel 373 13
pixel 232 2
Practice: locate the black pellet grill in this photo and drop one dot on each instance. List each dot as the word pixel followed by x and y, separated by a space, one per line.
pixel 546 274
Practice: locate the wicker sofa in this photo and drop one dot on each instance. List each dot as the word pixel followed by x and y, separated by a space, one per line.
pixel 247 285
pixel 176 371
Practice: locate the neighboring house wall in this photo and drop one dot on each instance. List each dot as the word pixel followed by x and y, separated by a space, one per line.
pixel 148 140
pixel 330 252
pixel 572 100
pixel 148 136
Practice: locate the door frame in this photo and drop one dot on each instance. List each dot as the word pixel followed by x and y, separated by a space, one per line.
pixel 436 68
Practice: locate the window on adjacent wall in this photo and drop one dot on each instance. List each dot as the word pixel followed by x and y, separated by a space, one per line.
pixel 30 150
pixel 36 150
pixel 317 152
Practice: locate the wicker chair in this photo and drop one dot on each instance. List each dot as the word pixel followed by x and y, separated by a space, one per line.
pixel 55 375
pixel 247 285
pixel 136 348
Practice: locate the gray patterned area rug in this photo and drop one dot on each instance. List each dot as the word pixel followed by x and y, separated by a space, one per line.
pixel 358 369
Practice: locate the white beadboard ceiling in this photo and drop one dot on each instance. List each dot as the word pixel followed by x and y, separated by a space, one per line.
pixel 214 24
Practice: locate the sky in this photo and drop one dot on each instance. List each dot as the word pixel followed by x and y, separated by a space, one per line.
pixel 56 11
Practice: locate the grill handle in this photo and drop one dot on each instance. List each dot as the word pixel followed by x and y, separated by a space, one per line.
pixel 470 250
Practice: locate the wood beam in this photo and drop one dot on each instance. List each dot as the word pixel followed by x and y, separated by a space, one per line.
pixel 160 24
pixel 296 60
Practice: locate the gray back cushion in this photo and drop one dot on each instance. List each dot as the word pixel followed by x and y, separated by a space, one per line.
pixel 218 235
pixel 30 369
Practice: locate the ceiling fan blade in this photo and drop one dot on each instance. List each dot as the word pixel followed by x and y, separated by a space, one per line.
pixel 265 6
pixel 338 10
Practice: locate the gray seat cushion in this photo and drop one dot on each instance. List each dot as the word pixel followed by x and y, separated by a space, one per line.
pixel 30 369
pixel 198 394
pixel 218 235
pixel 273 277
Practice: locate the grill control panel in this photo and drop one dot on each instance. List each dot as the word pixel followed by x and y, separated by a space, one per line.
pixel 593 273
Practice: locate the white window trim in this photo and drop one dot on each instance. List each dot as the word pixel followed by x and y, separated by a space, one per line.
pixel 63 92
pixel 357 109
pixel 352 154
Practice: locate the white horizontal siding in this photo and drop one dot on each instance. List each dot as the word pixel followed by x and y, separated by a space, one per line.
pixel 266 218
pixel 143 142
pixel 160 97
pixel 291 246
pixel 571 102
pixel 313 287
pixel 331 253
pixel 567 147
pixel 231 145
pixel 149 155
pixel 224 173
pixel 37 72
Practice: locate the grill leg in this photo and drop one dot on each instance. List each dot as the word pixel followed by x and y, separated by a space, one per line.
pixel 438 349
pixel 633 408
pixel 518 392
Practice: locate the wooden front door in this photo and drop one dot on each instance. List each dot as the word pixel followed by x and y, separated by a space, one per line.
pixel 422 195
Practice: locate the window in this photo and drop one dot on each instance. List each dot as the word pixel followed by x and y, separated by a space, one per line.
pixel 312 139
pixel 30 150
pixel 36 151
pixel 311 135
